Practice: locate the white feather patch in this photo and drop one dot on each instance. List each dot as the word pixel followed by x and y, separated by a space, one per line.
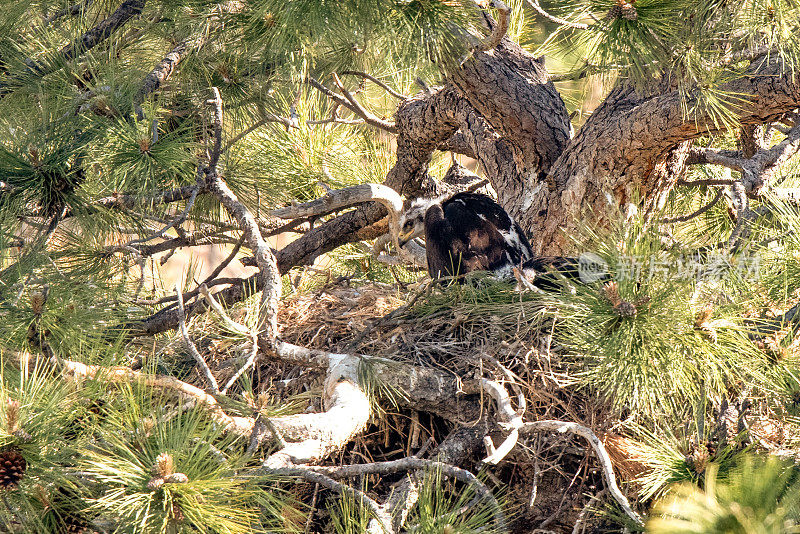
pixel 513 240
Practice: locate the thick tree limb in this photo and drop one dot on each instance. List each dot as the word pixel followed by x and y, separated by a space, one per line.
pixel 635 145
pixel 347 197
pixel 499 29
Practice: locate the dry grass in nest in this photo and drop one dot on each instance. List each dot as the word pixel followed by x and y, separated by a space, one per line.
pixel 326 317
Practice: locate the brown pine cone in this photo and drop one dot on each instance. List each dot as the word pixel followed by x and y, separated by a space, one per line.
pixel 12 468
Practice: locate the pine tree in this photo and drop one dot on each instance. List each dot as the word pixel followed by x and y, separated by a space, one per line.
pixel 658 137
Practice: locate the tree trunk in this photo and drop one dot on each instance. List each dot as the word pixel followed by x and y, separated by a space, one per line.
pixel 500 108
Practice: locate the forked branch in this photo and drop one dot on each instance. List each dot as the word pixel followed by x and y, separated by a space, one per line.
pixel 347 100
pixel 600 452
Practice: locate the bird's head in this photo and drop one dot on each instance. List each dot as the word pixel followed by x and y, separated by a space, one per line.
pixel 412 221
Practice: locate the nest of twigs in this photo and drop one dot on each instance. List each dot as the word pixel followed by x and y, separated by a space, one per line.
pixel 461 329
pixel 483 328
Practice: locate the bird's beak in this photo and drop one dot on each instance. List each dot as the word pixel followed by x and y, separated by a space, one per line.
pixel 403 238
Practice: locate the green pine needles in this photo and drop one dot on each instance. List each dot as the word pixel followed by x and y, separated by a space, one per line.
pixel 167 472
pixel 758 496
pixel 642 338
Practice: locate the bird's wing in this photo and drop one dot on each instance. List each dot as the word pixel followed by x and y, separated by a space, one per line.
pixel 476 240
pixel 493 215
pixel 448 248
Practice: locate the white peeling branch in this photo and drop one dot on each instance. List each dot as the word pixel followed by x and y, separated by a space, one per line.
pixel 600 452
pixel 312 437
pixel 241 426
pixel 512 420
pixel 344 198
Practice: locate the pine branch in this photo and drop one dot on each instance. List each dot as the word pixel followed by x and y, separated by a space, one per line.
pixel 90 39
pixel 72 11
pixel 163 70
pixel 697 213
pixel 376 81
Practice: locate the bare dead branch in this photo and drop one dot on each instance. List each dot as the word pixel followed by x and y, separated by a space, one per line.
pixel 350 103
pixel 311 475
pixel 706 182
pixel 343 198
pixel 212 382
pixel 265 119
pixel 128 201
pixel 335 120
pixel 744 216
pixel 697 213
pixel 512 421
pixel 268 268
pixel 125 375
pixel 412 463
pixel 552 18
pixel 182 216
pixel 732 159
pixel 376 81
pixel 349 196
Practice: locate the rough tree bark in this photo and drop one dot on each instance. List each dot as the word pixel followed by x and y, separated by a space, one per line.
pixel 500 108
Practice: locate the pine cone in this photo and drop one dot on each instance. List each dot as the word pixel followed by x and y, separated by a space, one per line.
pixel 625 309
pixel 614 13
pixel 12 468
pixel 699 456
pixel 623 9
pixel 628 11
pixel 165 465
